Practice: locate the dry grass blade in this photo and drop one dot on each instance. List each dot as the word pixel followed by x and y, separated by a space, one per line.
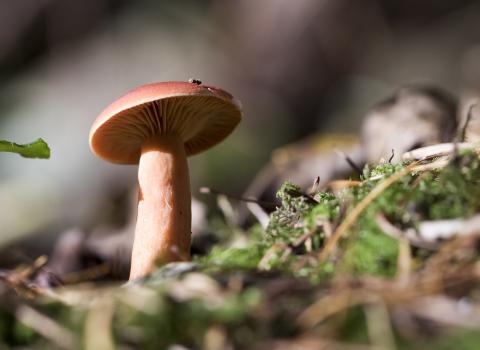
pixel 98 326
pixel 439 150
pixel 261 215
pixel 272 253
pixel 39 263
pixel 311 342
pixel 446 311
pixel 300 240
pixel 89 274
pixel 410 234
pixel 379 326
pixel 358 210
pixel 404 263
pixel 216 339
pixel 339 185
pixel 45 326
pixel 370 291
pixel 437 278
pixel 466 125
pixel 434 231
pixel 461 250
pixel 19 278
pixel 353 216
pixel 326 307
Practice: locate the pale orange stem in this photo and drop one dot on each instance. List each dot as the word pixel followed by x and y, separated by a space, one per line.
pixel 163 231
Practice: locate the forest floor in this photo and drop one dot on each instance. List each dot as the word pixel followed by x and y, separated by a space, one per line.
pixel 387 262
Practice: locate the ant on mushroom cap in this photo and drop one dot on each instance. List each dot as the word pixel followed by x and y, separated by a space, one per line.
pixel 194 81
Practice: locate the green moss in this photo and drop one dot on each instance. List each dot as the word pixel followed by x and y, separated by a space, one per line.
pixel 372 252
pixel 441 194
pixel 458 339
pixel 187 322
pixel 24 334
pixel 451 193
pixel 328 208
pixel 286 223
pixel 352 326
pixel 246 258
pixel 299 213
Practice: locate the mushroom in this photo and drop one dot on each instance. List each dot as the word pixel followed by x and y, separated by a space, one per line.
pixel 157 126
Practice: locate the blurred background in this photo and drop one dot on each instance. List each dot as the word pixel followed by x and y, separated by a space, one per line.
pixel 299 67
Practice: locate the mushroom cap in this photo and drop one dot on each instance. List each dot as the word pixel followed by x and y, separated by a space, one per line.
pixel 200 115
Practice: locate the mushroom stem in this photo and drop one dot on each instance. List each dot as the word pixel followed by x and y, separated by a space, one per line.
pixel 163 230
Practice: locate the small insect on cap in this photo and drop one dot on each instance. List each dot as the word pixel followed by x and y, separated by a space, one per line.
pixel 200 115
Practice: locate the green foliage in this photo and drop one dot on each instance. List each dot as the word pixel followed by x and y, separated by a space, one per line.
pixel 299 212
pixel 352 325
pixel 186 322
pixel 36 149
pixel 451 193
pixel 328 208
pixel 458 339
pixel 24 334
pixel 246 258
pixel 440 194
pixel 372 252
pixel 286 223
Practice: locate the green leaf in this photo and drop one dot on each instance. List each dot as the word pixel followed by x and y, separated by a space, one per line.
pixel 36 149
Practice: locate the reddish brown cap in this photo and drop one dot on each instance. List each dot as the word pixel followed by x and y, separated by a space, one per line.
pixel 201 115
